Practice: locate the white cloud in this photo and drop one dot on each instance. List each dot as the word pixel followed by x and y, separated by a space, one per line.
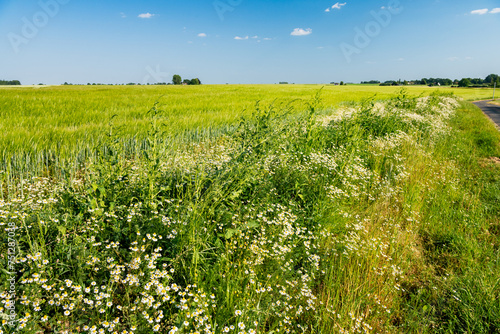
pixel 202 34
pixel 267 38
pixel 495 11
pixel 241 38
pixel 301 32
pixel 123 15
pixel 339 5
pixel 479 11
pixel 146 15
pixel 453 59
pixel 255 37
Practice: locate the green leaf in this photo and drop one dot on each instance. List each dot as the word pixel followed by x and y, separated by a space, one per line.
pixel 62 230
pixel 230 232
pixel 253 224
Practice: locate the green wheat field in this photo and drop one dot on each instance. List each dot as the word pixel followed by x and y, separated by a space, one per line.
pixel 248 209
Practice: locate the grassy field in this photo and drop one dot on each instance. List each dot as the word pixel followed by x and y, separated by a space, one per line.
pixel 311 213
pixel 41 124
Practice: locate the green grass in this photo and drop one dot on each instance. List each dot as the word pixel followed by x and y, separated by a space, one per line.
pixel 45 128
pixel 374 217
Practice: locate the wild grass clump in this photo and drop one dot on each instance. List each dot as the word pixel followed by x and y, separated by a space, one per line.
pixel 353 221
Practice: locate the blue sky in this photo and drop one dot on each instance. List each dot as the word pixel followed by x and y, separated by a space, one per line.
pixel 243 41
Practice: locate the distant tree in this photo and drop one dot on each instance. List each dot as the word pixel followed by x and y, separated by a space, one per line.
pixel 195 81
pixel 177 80
pixel 186 81
pixel 465 82
pixel 341 83
pixel 491 79
pixel 405 83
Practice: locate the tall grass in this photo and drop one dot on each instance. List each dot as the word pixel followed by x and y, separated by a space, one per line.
pixel 376 217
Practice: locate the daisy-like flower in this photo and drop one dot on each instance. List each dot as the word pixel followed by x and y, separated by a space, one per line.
pixel 241 325
pixel 66 313
pixel 44 318
pixel 237 313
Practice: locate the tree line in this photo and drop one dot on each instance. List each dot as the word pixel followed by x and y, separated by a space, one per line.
pixel 177 80
pixel 10 83
pixel 489 81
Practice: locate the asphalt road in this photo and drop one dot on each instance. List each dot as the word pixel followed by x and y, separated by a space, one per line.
pixel 491 110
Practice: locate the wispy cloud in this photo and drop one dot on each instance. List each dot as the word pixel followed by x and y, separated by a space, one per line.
pixel 338 5
pixel 202 34
pixel 255 37
pixel 123 15
pixel 495 11
pixel 479 11
pixel 453 59
pixel 267 38
pixel 301 32
pixel 241 38
pixel 145 15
